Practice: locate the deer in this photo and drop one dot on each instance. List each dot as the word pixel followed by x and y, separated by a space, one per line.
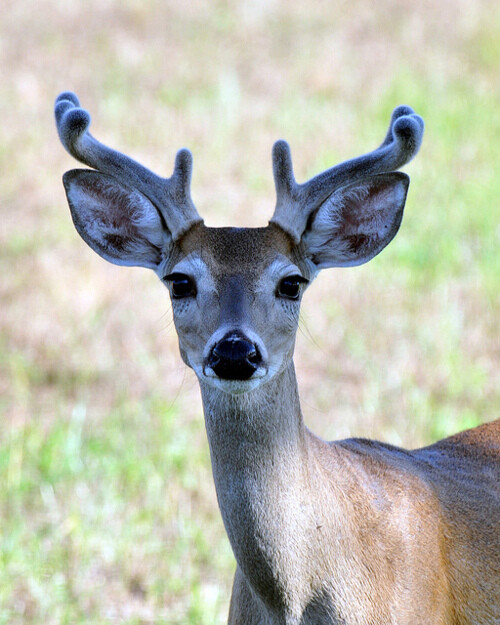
pixel 350 532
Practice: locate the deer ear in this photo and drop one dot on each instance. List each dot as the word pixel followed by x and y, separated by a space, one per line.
pixel 117 222
pixel 357 221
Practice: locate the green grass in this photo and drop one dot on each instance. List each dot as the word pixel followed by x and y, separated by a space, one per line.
pixel 107 509
pixel 87 506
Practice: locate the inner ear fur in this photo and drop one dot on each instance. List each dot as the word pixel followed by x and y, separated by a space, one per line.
pixel 357 221
pixel 117 222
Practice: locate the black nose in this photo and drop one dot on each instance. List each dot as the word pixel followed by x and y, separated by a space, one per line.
pixel 234 358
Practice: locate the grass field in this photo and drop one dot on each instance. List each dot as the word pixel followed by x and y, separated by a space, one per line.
pixel 107 508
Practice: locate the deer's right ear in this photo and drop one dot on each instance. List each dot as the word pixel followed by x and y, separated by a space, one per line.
pixel 117 222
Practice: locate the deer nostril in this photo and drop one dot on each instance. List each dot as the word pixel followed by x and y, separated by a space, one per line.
pixel 234 358
pixel 254 357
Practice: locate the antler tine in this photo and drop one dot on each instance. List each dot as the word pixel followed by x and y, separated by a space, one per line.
pixel 283 171
pixel 399 111
pixel 171 196
pixel 296 202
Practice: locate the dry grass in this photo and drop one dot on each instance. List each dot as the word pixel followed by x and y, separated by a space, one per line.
pixel 109 514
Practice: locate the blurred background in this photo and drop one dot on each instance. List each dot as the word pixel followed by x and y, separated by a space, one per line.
pixel 107 509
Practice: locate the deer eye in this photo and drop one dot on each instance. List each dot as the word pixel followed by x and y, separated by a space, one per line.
pixel 289 287
pixel 182 285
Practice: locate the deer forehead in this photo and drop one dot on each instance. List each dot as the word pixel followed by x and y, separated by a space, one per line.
pixel 227 252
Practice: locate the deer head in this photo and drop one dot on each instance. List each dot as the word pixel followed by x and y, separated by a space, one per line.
pixel 236 292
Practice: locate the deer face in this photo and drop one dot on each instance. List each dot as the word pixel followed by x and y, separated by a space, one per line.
pixel 236 295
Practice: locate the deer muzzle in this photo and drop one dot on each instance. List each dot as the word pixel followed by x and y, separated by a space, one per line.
pixel 234 357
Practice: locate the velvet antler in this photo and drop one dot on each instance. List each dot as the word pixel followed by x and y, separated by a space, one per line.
pixel 296 203
pixel 171 196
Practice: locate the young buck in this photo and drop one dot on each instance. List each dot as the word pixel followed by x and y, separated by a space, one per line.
pixel 353 532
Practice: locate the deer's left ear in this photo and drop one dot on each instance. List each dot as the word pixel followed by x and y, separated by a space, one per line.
pixel 357 221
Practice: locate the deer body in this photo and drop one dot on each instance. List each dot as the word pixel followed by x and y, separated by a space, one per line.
pixel 296 551
pixel 353 532
pixel 377 542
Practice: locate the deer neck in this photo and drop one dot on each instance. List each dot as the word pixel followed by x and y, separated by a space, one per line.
pixel 266 465
pixel 248 433
pixel 259 451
